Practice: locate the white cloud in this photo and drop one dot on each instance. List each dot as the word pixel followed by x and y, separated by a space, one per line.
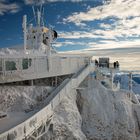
pixel 121 9
pixel 31 2
pixel 106 26
pixel 6 7
pixel 68 43
pixel 118 8
pixel 84 34
pixel 125 25
pixel 108 38
pixel 105 45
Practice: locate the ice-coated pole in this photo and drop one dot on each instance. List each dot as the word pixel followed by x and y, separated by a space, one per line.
pixel 25 31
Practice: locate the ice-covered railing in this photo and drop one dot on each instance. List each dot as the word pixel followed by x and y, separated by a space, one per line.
pixel 27 128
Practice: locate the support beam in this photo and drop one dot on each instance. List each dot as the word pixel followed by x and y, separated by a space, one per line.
pixel 112 78
pixel 130 81
pixel 32 82
pixel 56 81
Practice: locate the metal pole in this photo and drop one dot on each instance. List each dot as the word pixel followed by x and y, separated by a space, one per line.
pixel 130 81
pixel 112 77
pixel 38 18
pixel 25 31
pixel 56 81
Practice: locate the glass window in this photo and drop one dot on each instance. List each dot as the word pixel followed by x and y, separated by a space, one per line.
pixel 26 63
pixel 0 64
pixel 10 65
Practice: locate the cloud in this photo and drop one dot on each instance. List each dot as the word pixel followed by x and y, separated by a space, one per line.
pixel 6 7
pixel 101 45
pixel 68 43
pixel 126 13
pixel 32 2
pixel 83 34
pixel 125 26
pixel 107 44
pixel 106 26
pixel 121 9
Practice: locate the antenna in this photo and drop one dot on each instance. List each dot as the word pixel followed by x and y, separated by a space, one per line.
pixel 34 12
pixel 25 31
pixel 43 17
pixel 38 17
pixel 38 12
pixel 41 7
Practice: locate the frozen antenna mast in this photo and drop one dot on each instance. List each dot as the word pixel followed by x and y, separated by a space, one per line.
pixel 39 12
pixel 24 25
pixel 38 37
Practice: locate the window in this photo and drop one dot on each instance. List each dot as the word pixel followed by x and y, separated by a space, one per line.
pixel 26 63
pixel 10 65
pixel 0 64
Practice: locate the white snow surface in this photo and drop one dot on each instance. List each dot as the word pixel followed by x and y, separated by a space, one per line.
pixel 107 114
pixel 7 51
pixel 90 113
pixel 96 113
pixel 20 98
pixel 20 103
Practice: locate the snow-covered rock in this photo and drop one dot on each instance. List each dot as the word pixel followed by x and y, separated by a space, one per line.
pixel 107 114
pixel 91 112
pixel 21 98
pixel 97 113
pixel 66 121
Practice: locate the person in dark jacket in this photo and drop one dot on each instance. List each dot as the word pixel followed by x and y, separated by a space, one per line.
pixel 96 62
pixel 117 64
pixel 114 65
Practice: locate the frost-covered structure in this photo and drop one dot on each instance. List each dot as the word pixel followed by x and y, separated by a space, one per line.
pixel 43 99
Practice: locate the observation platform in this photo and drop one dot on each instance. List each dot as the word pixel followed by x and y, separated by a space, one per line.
pixel 35 66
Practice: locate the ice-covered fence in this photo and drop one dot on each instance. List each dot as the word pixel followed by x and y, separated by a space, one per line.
pixel 26 128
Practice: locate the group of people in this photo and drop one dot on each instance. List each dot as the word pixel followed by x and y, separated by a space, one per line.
pixel 115 64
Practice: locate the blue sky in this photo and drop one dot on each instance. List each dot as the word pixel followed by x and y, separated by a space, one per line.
pixel 91 25
pixel 56 14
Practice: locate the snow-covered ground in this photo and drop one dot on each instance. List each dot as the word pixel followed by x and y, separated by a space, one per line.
pixel 19 103
pixel 92 112
pixel 21 98
pixel 96 113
